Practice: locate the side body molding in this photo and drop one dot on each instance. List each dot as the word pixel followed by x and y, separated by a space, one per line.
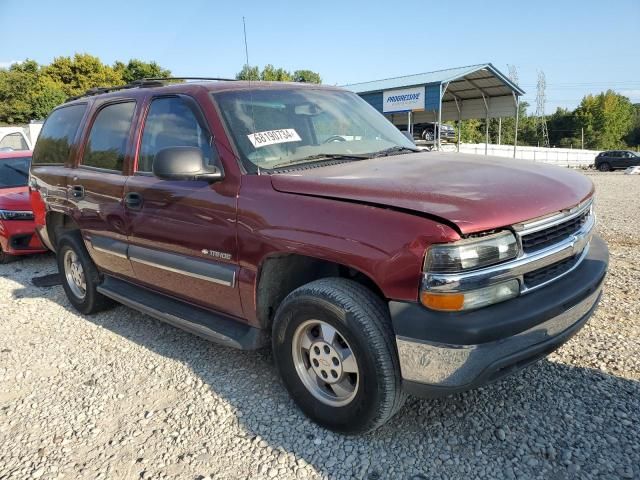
pixel 211 271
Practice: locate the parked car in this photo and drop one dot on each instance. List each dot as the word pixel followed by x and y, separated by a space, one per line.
pixel 13 139
pixel 616 159
pixel 372 270
pixel 427 131
pixel 17 229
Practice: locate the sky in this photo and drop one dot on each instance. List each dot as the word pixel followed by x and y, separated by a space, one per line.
pixel 582 46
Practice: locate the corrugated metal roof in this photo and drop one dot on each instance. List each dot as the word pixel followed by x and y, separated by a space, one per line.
pixel 438 76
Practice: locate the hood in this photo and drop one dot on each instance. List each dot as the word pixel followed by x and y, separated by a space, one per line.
pixel 16 198
pixel 473 192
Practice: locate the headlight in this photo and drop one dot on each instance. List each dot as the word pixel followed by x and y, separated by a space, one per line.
pixel 466 256
pixel 471 253
pixel 16 215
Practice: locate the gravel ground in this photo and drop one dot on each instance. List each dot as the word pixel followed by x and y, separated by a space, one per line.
pixel 120 395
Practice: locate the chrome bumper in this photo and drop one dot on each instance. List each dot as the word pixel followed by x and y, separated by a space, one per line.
pixel 458 366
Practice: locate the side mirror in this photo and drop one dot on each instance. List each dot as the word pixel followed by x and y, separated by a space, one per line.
pixel 184 163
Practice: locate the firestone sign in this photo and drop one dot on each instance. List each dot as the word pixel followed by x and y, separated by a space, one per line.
pixel 403 100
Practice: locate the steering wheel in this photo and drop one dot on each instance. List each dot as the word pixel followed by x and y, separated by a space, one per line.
pixel 335 138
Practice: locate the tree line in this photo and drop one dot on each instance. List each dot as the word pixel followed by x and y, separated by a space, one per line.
pixel 604 121
pixel 29 91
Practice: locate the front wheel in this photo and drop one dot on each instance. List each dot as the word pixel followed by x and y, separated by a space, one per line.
pixel 334 349
pixel 5 257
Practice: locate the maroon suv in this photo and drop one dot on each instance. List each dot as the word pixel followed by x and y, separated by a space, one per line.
pixel 296 216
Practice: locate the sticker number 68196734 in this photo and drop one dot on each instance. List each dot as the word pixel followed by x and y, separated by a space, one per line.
pixel 271 137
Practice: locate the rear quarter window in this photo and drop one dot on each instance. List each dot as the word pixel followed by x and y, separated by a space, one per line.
pixel 59 130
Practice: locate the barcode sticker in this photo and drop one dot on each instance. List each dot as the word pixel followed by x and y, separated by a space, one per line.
pixel 271 137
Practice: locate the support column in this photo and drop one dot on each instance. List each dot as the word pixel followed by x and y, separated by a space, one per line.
pixel 515 133
pixel 486 126
pixel 459 108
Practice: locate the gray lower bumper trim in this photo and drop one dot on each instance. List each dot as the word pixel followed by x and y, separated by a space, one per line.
pixel 458 365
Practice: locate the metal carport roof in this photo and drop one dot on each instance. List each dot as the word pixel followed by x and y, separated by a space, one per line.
pixel 472 91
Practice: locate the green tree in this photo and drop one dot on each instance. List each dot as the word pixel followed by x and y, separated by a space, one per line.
pixel 248 73
pixel 272 74
pixel 633 137
pixel 29 91
pixel 78 74
pixel 606 118
pixel 27 94
pixel 306 76
pixel 137 70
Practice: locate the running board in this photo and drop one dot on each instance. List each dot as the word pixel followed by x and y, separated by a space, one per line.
pixel 211 326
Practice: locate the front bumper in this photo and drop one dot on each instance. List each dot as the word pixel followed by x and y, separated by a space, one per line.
pixel 442 353
pixel 17 237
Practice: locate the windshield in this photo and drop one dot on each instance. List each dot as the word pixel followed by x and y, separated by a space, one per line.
pixel 277 128
pixel 14 172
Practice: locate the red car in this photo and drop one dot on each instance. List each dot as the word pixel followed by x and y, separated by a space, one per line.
pixel 17 229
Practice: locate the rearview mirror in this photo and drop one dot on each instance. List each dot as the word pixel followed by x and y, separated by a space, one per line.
pixel 184 163
pixel 307 109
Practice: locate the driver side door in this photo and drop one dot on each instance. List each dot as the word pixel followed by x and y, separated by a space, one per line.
pixel 182 239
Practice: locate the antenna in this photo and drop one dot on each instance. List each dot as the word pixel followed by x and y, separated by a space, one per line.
pixel 246 53
pixel 540 101
pixel 246 48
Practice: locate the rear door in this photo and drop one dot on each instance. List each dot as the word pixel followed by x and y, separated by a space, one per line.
pixel 183 233
pixel 616 159
pixel 96 185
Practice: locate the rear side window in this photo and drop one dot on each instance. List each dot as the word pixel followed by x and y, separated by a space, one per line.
pixel 109 135
pixel 172 123
pixel 57 134
pixel 13 141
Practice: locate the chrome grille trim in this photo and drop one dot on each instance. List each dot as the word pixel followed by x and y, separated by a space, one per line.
pixel 523 229
pixel 576 244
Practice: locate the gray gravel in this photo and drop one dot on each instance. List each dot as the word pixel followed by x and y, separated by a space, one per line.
pixel 120 395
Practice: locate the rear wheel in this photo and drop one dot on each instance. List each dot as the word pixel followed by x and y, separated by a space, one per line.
pixel 80 277
pixel 334 349
pixel 604 167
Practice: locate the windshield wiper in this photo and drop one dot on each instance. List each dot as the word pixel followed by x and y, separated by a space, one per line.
pixel 393 151
pixel 323 156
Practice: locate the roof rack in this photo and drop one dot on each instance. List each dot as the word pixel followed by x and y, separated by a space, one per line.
pixel 143 83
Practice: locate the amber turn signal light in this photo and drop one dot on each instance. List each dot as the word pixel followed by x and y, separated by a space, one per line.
pixel 451 302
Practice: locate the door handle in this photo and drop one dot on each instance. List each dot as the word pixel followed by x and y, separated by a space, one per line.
pixel 77 192
pixel 133 200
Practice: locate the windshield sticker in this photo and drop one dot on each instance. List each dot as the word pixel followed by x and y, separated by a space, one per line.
pixel 271 137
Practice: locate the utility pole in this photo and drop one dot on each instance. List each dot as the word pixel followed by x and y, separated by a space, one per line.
pixel 582 135
pixel 540 101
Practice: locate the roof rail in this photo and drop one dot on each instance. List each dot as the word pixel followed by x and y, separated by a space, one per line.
pixel 218 79
pixel 142 83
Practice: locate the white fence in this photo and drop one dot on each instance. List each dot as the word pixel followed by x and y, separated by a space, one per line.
pixel 566 157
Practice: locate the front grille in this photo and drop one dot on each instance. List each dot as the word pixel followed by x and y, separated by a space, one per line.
pixel 550 272
pixel 552 235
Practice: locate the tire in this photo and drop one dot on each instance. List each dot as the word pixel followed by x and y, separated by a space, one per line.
pixel 604 167
pixel 6 258
pixel 70 246
pixel 361 320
